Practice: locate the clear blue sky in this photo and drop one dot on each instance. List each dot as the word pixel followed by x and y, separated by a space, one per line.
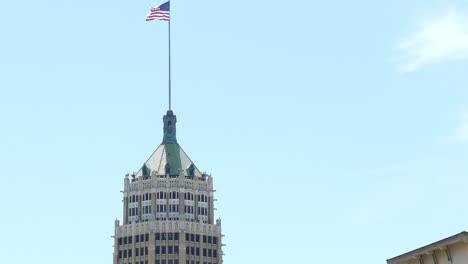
pixel 340 127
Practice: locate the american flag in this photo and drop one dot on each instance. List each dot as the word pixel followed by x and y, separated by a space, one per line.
pixel 160 12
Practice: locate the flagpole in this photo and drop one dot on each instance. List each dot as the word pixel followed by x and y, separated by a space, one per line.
pixel 169 29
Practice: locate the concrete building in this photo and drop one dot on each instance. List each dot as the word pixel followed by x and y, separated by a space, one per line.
pixel 168 212
pixel 451 250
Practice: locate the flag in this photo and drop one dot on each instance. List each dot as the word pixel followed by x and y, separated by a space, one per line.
pixel 160 12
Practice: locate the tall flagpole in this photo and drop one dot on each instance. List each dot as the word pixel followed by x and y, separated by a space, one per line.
pixel 169 62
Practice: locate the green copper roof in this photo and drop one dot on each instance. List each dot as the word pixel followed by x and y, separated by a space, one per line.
pixel 169 157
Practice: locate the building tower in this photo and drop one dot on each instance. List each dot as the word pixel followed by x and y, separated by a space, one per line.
pixel 168 213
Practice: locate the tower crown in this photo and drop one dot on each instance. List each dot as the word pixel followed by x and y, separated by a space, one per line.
pixel 169 159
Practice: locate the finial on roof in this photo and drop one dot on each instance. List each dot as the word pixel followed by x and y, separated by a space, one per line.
pixel 170 121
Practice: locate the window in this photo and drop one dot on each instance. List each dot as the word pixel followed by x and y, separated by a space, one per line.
pixel 146 237
pixel 134 198
pixel 130 240
pixel 202 198
pixel 133 211
pixel 120 241
pixel 191 170
pixel 176 250
pixel 120 254
pixel 209 239
pixel 158 236
pixel 204 239
pixel 215 240
pixel 137 238
pixel 145 171
pixel 137 252
pixel 176 236
pixel 167 169
pixel 163 249
pixel 197 238
pixel 146 196
pixel 174 208
pixel 169 249
pixel 161 208
pixel 129 253
pixel 161 195
pixel 204 252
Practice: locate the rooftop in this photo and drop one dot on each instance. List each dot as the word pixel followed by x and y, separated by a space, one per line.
pixel 461 237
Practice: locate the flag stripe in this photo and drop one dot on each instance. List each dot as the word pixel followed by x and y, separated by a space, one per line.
pixel 158 15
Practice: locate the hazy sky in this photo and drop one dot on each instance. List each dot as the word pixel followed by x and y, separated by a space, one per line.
pixel 336 131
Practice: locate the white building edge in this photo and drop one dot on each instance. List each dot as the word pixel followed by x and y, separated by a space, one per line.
pixel 451 250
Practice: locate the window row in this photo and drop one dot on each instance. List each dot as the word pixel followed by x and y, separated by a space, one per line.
pixel 198 262
pixel 195 251
pixel 170 261
pixel 128 240
pixel 166 236
pixel 141 262
pixel 196 238
pixel 162 208
pixel 164 195
pixel 127 253
pixel 167 250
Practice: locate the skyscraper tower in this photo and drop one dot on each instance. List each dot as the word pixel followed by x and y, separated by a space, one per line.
pixel 168 213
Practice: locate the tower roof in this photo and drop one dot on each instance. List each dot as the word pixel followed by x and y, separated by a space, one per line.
pixel 169 158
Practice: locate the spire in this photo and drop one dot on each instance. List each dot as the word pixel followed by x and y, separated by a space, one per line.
pixel 169 158
pixel 170 121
